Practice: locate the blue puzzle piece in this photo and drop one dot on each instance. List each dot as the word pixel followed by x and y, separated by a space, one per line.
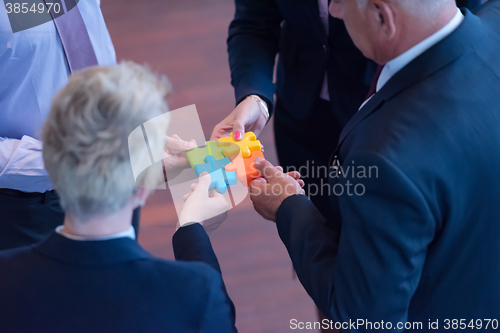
pixel 220 177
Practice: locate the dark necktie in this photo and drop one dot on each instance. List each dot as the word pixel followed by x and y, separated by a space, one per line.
pixel 373 86
pixel 75 37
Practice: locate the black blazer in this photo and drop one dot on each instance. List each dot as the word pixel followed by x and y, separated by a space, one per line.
pixel 262 28
pixel 61 285
pixel 419 238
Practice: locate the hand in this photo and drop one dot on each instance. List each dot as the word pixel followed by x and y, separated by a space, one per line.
pixel 269 192
pixel 246 117
pixel 174 157
pixel 207 207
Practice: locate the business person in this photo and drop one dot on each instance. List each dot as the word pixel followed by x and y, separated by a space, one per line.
pixel 419 214
pixel 90 275
pixel 321 81
pixel 34 64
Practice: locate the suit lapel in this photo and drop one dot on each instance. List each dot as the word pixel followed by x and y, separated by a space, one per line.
pixel 431 61
pixel 305 14
pixel 312 15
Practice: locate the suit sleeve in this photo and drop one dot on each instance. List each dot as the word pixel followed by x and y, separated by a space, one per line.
pixel 253 43
pixel 374 269
pixel 219 315
pixel 191 243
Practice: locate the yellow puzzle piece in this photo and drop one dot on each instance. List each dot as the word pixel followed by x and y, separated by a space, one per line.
pixel 246 146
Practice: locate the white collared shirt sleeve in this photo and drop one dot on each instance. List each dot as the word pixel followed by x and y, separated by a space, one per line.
pixel 21 165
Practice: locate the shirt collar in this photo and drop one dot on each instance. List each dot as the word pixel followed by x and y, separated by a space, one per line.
pixel 130 232
pixel 396 64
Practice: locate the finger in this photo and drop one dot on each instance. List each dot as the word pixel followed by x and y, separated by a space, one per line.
pixel 219 200
pixel 301 182
pixel 294 174
pixel 203 185
pixel 266 169
pixel 186 196
pixel 257 186
pixel 280 168
pixel 222 129
pixel 240 121
pixel 193 186
pixel 175 145
pixel 214 193
pixel 172 162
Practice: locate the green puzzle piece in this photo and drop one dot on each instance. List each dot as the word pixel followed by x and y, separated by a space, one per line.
pixel 197 155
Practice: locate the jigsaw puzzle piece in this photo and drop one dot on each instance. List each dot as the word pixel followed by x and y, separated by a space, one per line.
pixel 247 145
pixel 216 151
pixel 229 176
pixel 197 155
pixel 218 181
pixel 230 150
pixel 245 168
pixel 220 178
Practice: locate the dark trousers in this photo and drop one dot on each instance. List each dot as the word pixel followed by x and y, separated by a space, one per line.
pixel 27 218
pixel 308 143
pixel 305 145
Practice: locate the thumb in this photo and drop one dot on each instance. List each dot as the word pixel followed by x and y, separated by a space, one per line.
pixel 266 169
pixel 175 145
pixel 203 186
pixel 240 121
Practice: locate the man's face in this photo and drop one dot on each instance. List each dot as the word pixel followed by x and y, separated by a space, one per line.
pixel 357 23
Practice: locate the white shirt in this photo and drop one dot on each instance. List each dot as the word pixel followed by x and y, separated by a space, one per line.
pixel 130 232
pixel 32 69
pixel 396 64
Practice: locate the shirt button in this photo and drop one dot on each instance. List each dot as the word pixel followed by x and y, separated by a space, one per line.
pixel 325 48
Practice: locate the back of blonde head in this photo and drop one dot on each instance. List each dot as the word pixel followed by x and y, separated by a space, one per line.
pixel 85 136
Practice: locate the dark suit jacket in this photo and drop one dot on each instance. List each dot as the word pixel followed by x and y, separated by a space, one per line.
pixel 471 4
pixel 293 28
pixel 262 28
pixel 420 236
pixel 61 285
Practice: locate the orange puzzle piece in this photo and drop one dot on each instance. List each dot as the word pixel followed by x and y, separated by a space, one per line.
pixel 245 168
pixel 247 145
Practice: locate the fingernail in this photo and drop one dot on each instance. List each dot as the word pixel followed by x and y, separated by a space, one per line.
pixel 258 160
pixel 258 180
pixel 204 173
pixel 238 136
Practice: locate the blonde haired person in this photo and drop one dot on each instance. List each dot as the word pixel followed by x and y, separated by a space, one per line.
pixel 90 274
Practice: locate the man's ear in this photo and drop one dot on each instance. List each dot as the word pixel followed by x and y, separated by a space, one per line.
pixel 384 15
pixel 336 10
pixel 140 196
